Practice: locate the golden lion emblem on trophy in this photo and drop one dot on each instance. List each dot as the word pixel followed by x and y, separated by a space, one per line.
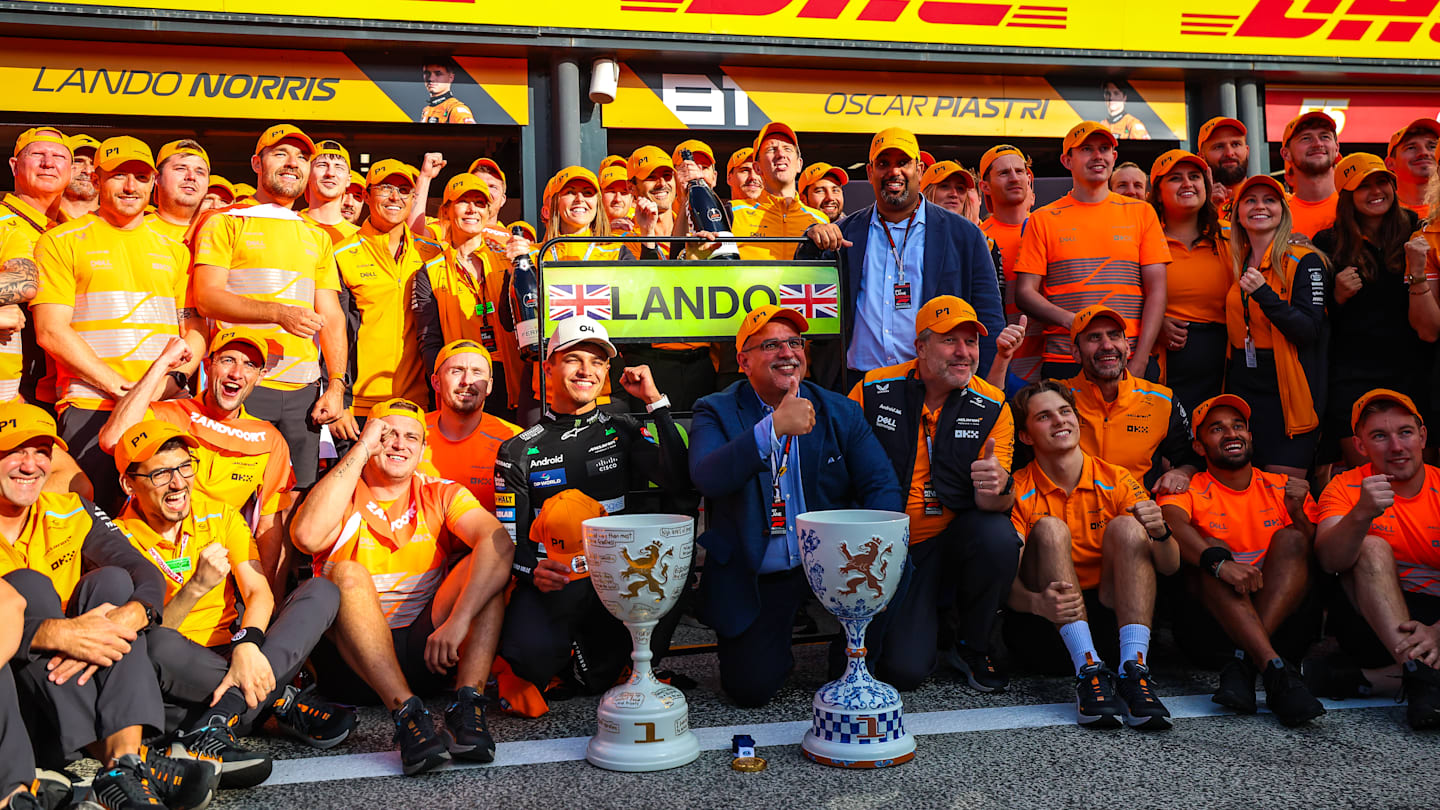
pixel 645 567
pixel 863 564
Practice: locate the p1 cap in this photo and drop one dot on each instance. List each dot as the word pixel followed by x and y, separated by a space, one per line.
pixel 560 528
pixel 570 174
pixel 816 172
pixel 389 168
pixel 1352 170
pixel 1261 180
pixel 1088 314
pixel 281 132
pixel 646 160
pixel 697 148
pixel 1197 417
pixel 1170 160
pixel 895 138
pixel 241 334
pixel 116 152
pixel 398 406
pixel 1207 129
pixel 945 168
pixel 610 175
pixel 612 160
pixel 1381 395
pixel 20 422
pixel 143 439
pixel 1082 131
pixel 462 184
pixel 775 128
pixel 756 319
pixel 1429 125
pixel 996 152
pixel 579 329
pixel 1306 119
pixel 740 158
pixel 945 312
pixel 462 346
pixel 489 166
pixel 179 148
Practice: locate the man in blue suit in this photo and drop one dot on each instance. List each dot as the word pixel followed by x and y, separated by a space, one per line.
pixel 895 255
pixel 763 451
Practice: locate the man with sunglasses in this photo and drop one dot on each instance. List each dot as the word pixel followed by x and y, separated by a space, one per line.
pixel 763 451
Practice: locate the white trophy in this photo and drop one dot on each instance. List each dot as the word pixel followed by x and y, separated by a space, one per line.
pixel 638 565
pixel 853 560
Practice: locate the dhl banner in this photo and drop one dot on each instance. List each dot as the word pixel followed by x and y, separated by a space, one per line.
pixel 688 300
pixel 746 98
pixel 47 76
pixel 1362 114
pixel 1318 30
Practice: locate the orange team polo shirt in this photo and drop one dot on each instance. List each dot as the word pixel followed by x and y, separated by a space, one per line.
pixel 273 255
pixel 1088 254
pixel 1411 525
pixel 772 215
pixel 339 232
pixel 1127 431
pixel 50 541
pixel 1196 282
pixel 1104 493
pixel 242 462
pixel 212 620
pixel 1007 239
pixel 1422 211
pixel 406 572
pixel 1311 218
pixel 470 307
pixel 1244 520
pixel 470 461
pixel 125 286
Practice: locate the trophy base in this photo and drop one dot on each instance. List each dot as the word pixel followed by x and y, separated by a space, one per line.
pixel 642 729
pixel 868 739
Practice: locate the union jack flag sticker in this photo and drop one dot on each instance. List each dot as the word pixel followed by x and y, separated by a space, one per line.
pixel 811 300
pixel 570 300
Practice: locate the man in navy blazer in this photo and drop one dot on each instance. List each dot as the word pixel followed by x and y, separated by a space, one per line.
pixel 895 255
pixel 762 452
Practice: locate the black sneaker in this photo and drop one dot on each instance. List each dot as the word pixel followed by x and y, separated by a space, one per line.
pixel 312 721
pixel 978 669
pixel 1287 696
pixel 1421 685
pixel 421 747
pixel 465 720
pixel 1333 676
pixel 1237 685
pixel 51 789
pixel 126 785
pixel 181 784
pixel 1143 710
pixel 1095 703
pixel 239 766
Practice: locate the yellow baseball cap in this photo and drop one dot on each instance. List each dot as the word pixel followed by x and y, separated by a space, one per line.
pixel 281 132
pixel 1262 180
pixel 645 160
pixel 938 172
pixel 1352 170
pixel 756 319
pixel 775 128
pixel 143 439
pixel 610 175
pixel 40 135
pixel 20 422
pixel 243 190
pixel 560 528
pixel 945 312
pixel 1429 125
pixel 241 334
pixel 490 167
pixel 398 406
pixel 462 346
pixel 216 181
pixel 1082 131
pixel 740 158
pixel 612 160
pixel 996 152
pixel 895 138
pixel 1303 119
pixel 696 148
pixel 331 148
pixel 389 168
pixel 1170 160
pixel 82 141
pixel 121 149
pixel 1208 128
pixel 175 148
pixel 1197 416
pixel 1382 395
pixel 816 172
pixel 1088 314
pixel 571 173
pixel 357 180
pixel 462 184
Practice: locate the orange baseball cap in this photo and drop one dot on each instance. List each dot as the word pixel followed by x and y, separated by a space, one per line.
pixel 398 406
pixel 1301 120
pixel 926 159
pixel 461 346
pixel 143 439
pixel 996 152
pixel 41 135
pixel 612 160
pixel 489 166
pixel 1208 128
pixel 82 141
pixel 560 528
pixel 175 148
pixel 816 172
pixel 216 181
pixel 389 168
pixel 1170 160
pixel 281 132
pixel 945 312
pixel 571 173
pixel 1382 395
pixel 1088 314
pixel 1352 170
pixel 740 158
pixel 331 148
pixel 462 184
pixel 357 180
pixel 1082 131
pixel 775 128
pixel 241 334
pixel 121 149
pixel 1429 125
pixel 1197 417
pixel 20 422
pixel 895 138
pixel 526 227
pixel 756 319
pixel 938 172
pixel 1261 179
pixel 696 148
pixel 645 160
pixel 610 175
pixel 243 190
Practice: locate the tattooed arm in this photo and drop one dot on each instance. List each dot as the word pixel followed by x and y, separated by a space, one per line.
pixel 19 281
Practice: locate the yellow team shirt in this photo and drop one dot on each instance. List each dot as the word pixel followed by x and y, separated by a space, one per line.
pixel 170 229
pixel 214 617
pixel 469 306
pixel 276 256
pixel 387 355
pixel 772 215
pixel 52 540
pixel 241 462
pixel 339 232
pixel 126 287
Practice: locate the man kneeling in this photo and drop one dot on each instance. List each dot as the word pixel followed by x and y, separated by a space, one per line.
pixel 411 615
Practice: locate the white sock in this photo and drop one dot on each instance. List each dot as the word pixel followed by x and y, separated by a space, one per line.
pixel 1134 643
pixel 1076 636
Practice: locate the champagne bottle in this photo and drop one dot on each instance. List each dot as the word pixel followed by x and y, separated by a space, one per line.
pixel 525 303
pixel 707 214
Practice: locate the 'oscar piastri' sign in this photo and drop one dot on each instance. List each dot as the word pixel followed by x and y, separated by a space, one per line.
pixel 659 301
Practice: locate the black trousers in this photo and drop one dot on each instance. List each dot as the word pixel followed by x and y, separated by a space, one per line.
pixel 17 761
pixel 289 412
pixel 64 718
pixel 755 663
pixel 80 428
pixel 189 672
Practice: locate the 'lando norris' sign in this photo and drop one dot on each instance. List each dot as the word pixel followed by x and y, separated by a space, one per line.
pixel 688 300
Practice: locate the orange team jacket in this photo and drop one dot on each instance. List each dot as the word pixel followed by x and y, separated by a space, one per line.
pixel 469 307
pixel 1142 425
pixel 1411 525
pixel 449 111
pixel 1103 493
pixel 772 215
pixel 1244 520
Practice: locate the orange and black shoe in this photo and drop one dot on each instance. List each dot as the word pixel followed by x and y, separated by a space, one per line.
pixel 1095 703
pixel 240 767
pixel 422 748
pixel 181 784
pixel 126 785
pixel 1143 710
pixel 319 724
pixel 469 733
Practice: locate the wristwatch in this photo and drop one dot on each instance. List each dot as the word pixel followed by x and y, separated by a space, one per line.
pixel 182 380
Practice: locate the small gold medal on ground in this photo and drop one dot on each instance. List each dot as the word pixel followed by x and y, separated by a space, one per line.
pixel 743 747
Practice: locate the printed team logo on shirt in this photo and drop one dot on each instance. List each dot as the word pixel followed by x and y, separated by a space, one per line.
pixel 548 478
pixel 603 446
pixel 505 499
pixel 547 461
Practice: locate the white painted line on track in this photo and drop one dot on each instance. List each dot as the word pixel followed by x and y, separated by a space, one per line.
pixel 716 738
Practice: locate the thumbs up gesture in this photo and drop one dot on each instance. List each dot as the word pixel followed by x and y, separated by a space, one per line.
pixel 1008 341
pixel 795 416
pixel 987 473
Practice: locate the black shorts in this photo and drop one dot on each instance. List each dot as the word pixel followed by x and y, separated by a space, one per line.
pixel 1260 388
pixel 1360 642
pixel 343 685
pixel 1033 643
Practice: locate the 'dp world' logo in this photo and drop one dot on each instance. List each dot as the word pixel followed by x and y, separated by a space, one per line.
pixel 1050 14
pixel 1394 20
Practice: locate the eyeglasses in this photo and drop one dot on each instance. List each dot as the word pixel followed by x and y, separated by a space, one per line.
pixel 771 346
pixel 162 478
pixel 387 190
